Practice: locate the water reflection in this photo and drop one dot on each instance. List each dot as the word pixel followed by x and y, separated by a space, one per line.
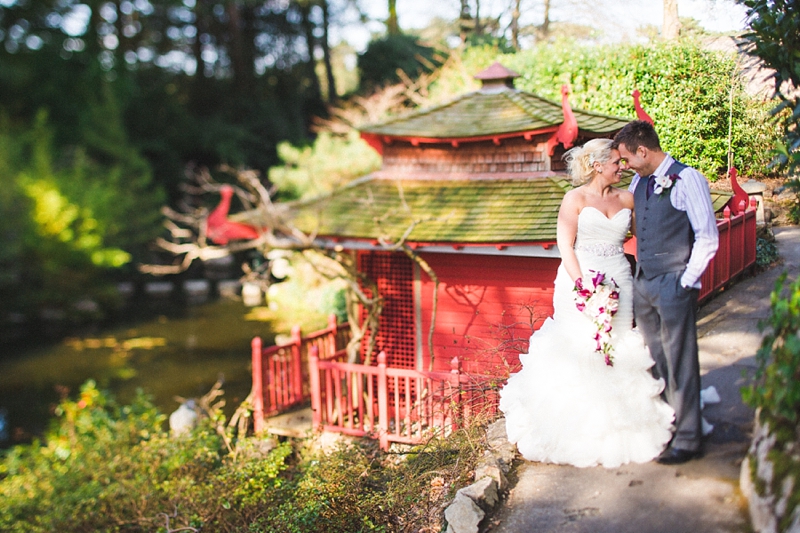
pixel 180 352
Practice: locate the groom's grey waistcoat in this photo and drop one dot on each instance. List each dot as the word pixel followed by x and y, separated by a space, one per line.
pixel 664 236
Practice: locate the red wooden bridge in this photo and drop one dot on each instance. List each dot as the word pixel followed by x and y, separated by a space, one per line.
pixel 406 405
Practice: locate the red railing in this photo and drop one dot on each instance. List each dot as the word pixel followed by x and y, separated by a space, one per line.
pixel 736 252
pixel 280 373
pixel 395 404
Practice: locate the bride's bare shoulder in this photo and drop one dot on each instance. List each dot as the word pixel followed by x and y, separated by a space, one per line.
pixel 574 199
pixel 626 199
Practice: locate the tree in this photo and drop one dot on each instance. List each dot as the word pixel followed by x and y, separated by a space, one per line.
pixel 672 25
pixel 774 38
pixel 392 25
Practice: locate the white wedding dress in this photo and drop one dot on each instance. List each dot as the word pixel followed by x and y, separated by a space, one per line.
pixel 566 405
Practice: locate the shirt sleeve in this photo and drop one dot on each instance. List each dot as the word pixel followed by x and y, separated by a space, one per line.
pixel 692 195
pixel 634 183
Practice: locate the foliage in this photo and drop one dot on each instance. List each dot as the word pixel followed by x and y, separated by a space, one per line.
pixel 106 467
pixel 384 58
pixel 685 89
pixel 775 391
pixel 356 488
pixel 304 298
pixel 773 37
pixel 794 208
pixel 329 163
pixel 766 252
pixel 72 219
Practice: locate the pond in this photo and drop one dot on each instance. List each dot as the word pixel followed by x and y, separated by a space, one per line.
pixel 180 351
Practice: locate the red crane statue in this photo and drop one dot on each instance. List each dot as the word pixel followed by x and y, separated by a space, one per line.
pixel 740 198
pixel 567 131
pixel 641 114
pixel 221 230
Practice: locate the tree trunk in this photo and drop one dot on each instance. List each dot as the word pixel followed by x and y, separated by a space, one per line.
pixel 515 25
pixel 241 44
pixel 392 26
pixel 201 25
pixel 326 54
pixel 465 22
pixel 546 21
pixel 311 44
pixel 672 25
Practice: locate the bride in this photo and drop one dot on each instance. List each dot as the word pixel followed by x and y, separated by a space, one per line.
pixel 569 404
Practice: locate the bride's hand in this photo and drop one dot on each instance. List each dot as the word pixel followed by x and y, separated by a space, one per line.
pixel 579 295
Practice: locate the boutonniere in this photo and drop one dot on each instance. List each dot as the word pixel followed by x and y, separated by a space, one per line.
pixel 665 182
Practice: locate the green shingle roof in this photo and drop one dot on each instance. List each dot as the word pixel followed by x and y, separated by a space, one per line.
pixel 457 211
pixel 485 113
pixel 445 211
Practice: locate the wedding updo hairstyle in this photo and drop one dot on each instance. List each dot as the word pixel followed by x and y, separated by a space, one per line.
pixel 581 159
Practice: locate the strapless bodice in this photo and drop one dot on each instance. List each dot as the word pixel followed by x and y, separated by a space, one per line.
pixel 599 234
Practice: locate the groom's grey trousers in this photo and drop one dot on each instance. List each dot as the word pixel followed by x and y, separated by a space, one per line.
pixel 666 314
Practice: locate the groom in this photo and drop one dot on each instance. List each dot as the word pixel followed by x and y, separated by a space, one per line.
pixel 676 235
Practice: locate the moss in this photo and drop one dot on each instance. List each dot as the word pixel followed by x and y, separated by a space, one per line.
pixel 759 485
pixel 785 465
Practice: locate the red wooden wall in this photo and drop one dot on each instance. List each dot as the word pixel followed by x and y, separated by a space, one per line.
pixel 487 308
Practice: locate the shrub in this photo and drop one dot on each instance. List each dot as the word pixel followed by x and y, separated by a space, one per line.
pixel 775 393
pixel 106 467
pixel 766 252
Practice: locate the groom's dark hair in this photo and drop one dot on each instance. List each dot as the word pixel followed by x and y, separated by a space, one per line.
pixel 635 134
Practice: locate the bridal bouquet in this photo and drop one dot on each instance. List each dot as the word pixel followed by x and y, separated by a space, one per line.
pixel 598 297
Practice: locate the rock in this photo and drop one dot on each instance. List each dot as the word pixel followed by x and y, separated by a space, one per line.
pixel 159 289
pixel 463 515
pixel 492 467
pixel 483 492
pixel 496 433
pixel 229 288
pixel 183 419
pixel 497 439
pixel 196 290
pixel 252 295
pixel 767 509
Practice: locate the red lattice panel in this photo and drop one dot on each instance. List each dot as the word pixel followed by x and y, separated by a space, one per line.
pixel 394 275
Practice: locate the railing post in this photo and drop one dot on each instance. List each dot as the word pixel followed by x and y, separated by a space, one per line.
pixel 258 385
pixel 314 383
pixel 297 364
pixel 751 228
pixel 333 332
pixel 383 402
pixel 727 275
pixel 455 380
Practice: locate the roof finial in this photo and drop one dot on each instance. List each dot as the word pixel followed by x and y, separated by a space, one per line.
pixel 496 77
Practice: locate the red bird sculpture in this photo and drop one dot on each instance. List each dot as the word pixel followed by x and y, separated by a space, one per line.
pixel 641 114
pixel 221 230
pixel 567 131
pixel 739 195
